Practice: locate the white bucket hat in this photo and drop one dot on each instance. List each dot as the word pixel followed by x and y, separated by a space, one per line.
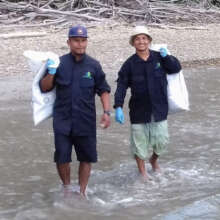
pixel 139 30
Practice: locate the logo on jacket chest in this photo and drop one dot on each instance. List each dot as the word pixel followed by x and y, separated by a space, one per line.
pixel 87 75
pixel 157 66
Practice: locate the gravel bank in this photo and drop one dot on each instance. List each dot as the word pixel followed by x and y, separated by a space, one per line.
pixel 109 44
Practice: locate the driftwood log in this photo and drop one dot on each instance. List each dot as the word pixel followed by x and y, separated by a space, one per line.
pixel 62 12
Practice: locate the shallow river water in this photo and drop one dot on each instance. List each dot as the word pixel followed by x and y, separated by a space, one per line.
pixel 187 188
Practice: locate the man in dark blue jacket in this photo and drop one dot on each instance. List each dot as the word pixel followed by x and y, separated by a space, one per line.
pixel 77 79
pixel 145 74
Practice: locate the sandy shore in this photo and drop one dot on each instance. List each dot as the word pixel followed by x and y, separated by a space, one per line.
pixel 194 46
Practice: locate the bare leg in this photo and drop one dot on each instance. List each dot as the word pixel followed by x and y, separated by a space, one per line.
pixel 64 173
pixel 154 163
pixel 84 173
pixel 141 167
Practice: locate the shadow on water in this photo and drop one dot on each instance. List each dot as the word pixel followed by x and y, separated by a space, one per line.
pixel 187 187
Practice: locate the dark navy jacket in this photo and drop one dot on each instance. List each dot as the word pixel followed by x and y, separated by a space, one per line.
pixel 76 85
pixel 148 84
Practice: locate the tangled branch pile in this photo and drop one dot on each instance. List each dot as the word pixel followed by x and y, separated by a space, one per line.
pixel 62 12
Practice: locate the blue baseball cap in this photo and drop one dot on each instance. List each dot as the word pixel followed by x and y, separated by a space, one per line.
pixel 78 31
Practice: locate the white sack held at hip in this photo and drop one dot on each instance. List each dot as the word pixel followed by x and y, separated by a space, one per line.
pixel 42 103
pixel 177 94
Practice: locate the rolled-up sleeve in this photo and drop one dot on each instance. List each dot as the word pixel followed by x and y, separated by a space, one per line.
pixel 122 85
pixel 101 85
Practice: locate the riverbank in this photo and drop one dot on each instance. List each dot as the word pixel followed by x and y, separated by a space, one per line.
pixel 194 46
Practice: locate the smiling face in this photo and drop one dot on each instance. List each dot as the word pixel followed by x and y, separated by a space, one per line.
pixel 77 45
pixel 141 42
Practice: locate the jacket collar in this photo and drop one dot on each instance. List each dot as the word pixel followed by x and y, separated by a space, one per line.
pixel 74 58
pixel 138 59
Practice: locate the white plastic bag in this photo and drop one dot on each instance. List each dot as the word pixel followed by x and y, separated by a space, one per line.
pixel 42 103
pixel 177 94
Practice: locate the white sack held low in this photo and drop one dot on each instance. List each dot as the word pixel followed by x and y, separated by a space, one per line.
pixel 177 94
pixel 42 103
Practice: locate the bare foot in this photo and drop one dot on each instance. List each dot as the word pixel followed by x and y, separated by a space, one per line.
pixel 145 178
pixel 67 191
pixel 154 164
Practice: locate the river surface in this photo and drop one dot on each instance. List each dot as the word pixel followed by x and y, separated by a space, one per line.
pixel 187 188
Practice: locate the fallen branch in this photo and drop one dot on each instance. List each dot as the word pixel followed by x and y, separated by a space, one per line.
pixel 22 35
pixel 11 21
pixel 48 11
pixel 177 27
pixel 160 12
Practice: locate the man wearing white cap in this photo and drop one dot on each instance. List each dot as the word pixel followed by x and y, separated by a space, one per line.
pixel 145 74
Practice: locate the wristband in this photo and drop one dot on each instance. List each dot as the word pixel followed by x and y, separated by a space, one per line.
pixel 107 113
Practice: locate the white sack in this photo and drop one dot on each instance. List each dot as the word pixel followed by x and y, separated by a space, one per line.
pixel 42 103
pixel 177 94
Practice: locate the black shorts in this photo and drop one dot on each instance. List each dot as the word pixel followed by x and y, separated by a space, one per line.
pixel 85 148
